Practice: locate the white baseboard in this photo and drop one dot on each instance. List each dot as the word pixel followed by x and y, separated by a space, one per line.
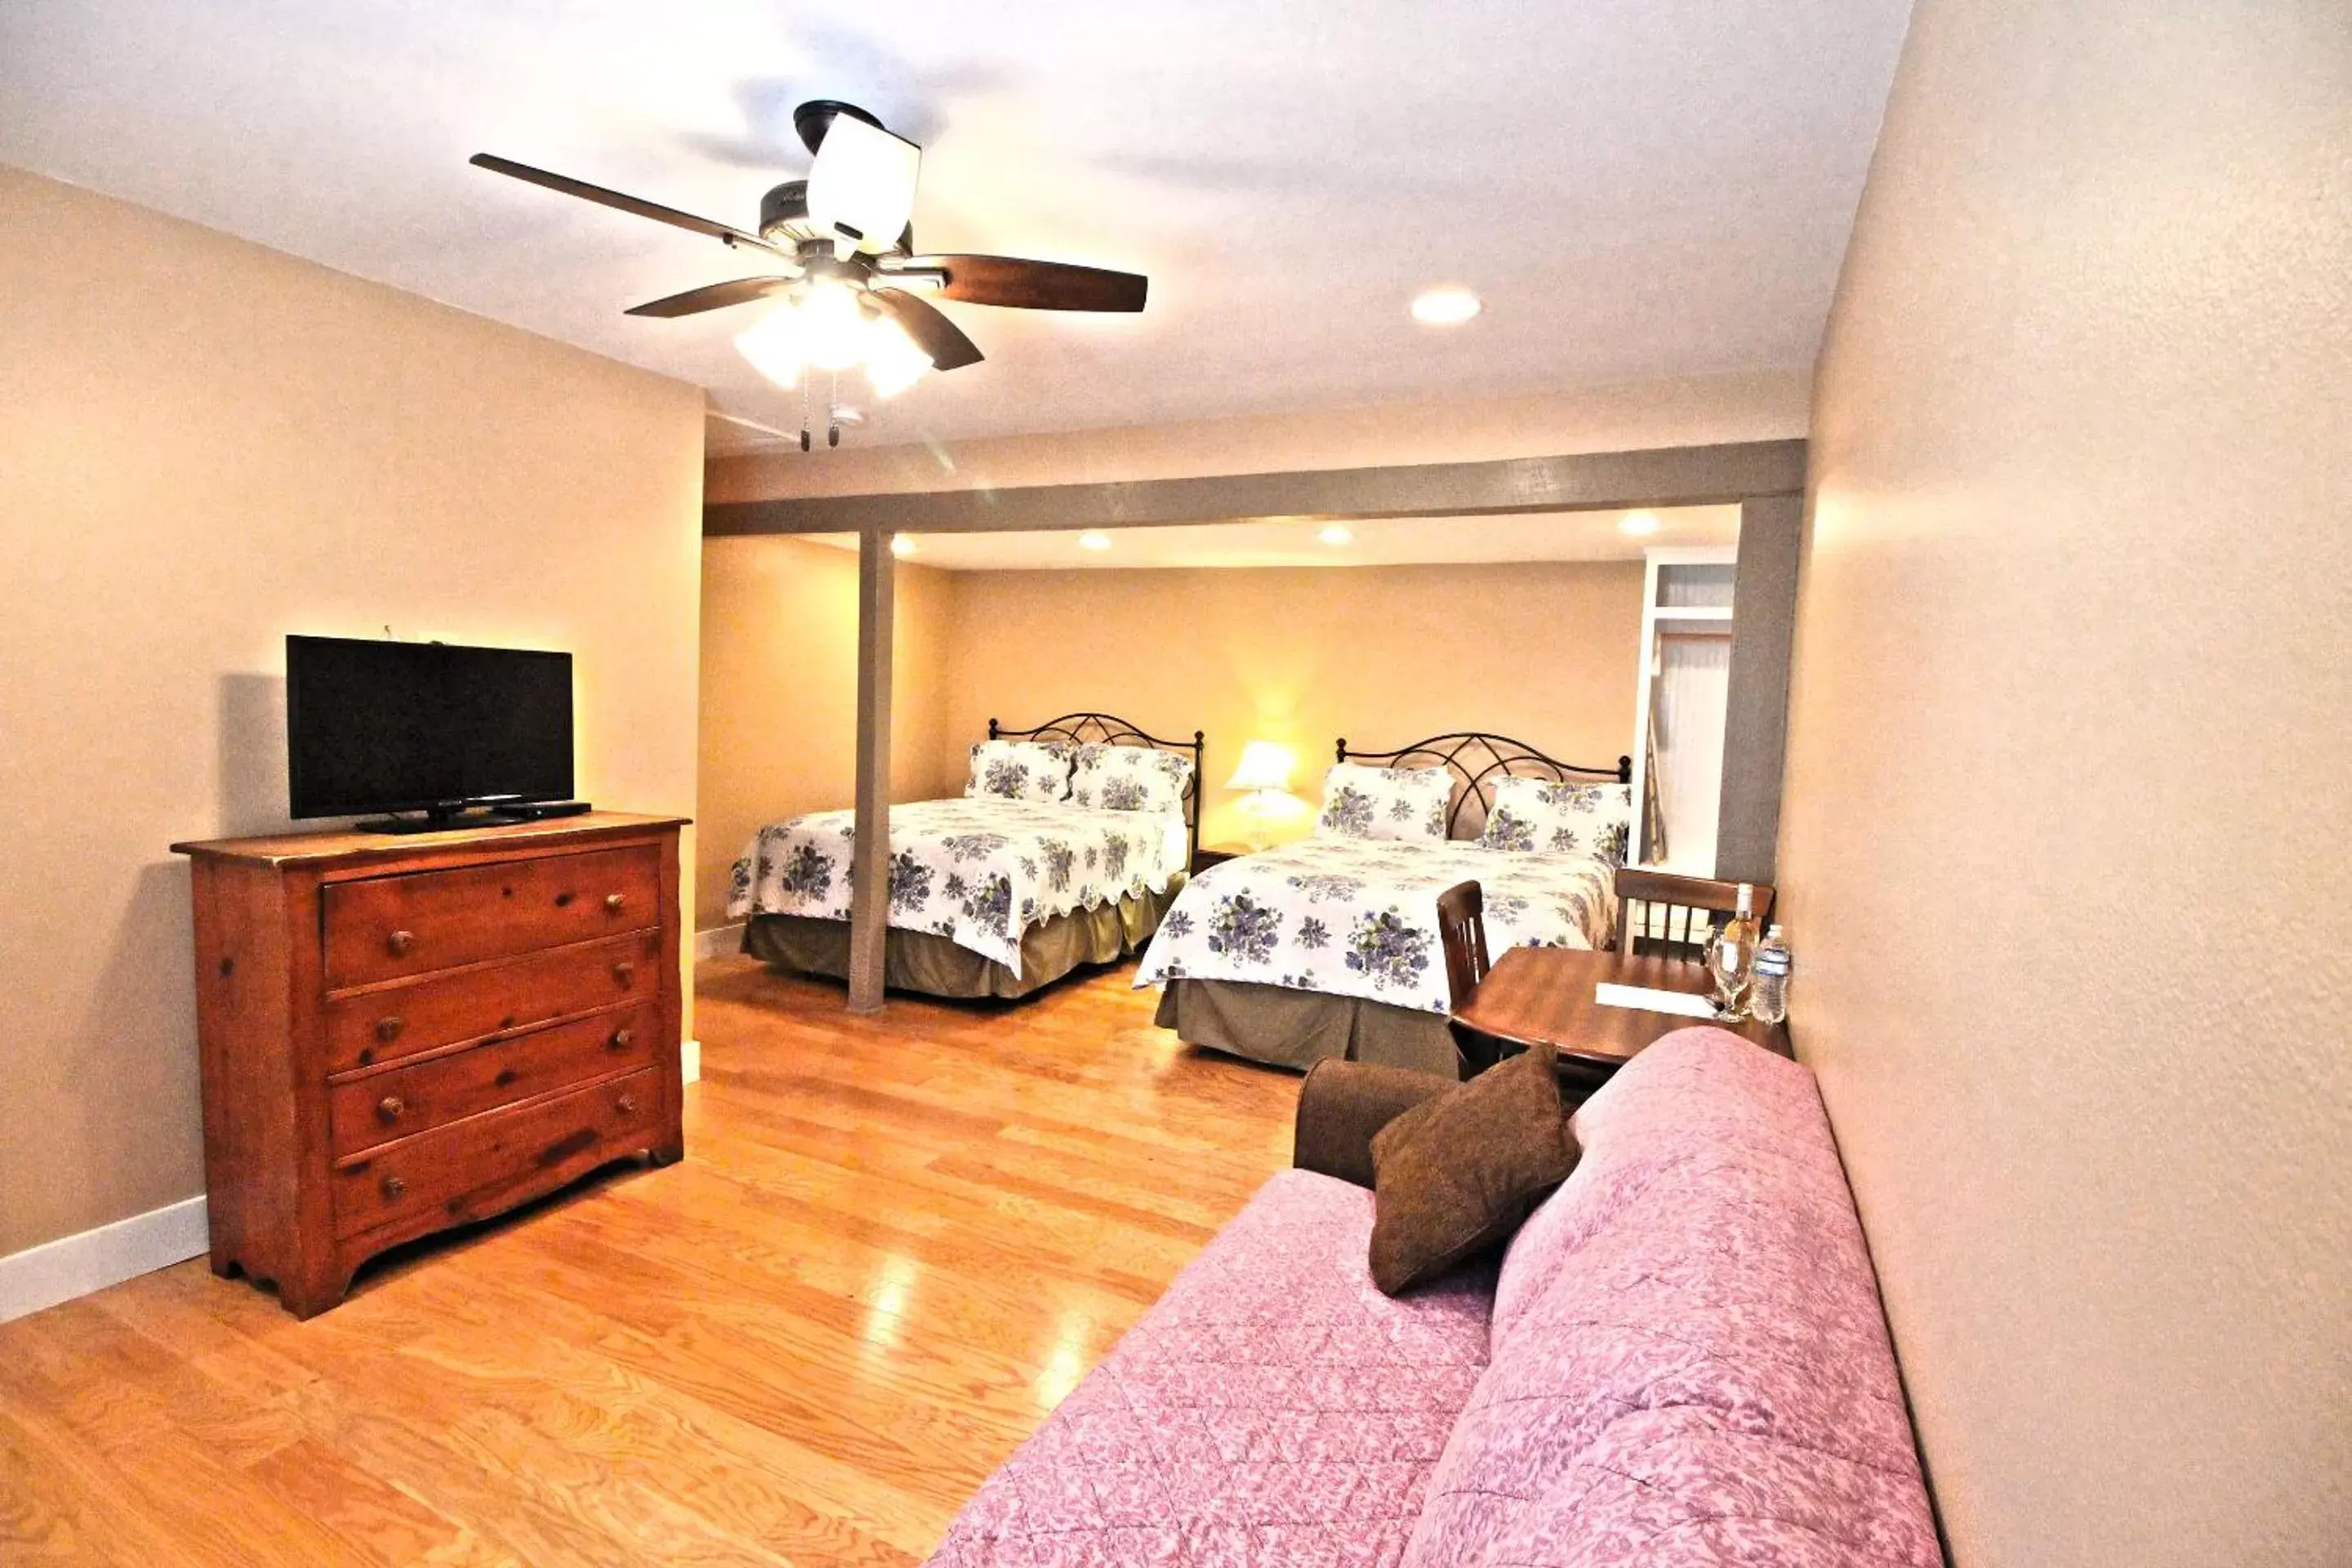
pixel 41 1277
pixel 77 1265
pixel 718 941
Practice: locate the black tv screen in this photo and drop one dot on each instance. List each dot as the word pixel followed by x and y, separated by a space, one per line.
pixel 393 726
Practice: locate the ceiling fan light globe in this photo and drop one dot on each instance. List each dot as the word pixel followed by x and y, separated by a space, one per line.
pixel 834 330
pixel 893 363
pixel 772 346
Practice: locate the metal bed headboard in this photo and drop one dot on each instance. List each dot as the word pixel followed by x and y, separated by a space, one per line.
pixel 1110 729
pixel 1477 760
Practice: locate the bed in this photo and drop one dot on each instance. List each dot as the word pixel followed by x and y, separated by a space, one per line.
pixel 1327 946
pixel 1005 890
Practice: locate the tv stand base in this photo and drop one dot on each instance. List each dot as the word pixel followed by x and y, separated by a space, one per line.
pixel 438 822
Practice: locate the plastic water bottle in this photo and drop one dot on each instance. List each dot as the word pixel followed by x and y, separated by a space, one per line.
pixel 1770 1001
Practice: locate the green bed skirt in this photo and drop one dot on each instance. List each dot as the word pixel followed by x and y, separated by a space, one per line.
pixel 933 965
pixel 1291 1028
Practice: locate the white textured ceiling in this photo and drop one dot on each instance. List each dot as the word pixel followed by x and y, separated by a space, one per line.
pixel 1298 541
pixel 1638 188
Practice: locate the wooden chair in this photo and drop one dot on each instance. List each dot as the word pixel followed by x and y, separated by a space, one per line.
pixel 1677 913
pixel 1462 932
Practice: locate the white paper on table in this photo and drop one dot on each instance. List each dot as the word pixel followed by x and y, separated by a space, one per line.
pixel 1650 1001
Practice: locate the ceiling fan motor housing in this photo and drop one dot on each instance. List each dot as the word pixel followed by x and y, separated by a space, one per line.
pixel 784 219
pixel 783 213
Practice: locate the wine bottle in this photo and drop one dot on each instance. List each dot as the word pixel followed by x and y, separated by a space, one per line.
pixel 1731 957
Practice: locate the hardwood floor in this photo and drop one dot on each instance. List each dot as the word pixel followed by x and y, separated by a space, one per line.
pixel 895 1244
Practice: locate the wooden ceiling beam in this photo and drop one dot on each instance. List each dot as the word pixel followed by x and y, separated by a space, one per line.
pixel 1586 481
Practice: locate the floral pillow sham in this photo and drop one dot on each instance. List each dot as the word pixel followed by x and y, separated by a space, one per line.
pixel 1130 778
pixel 1406 803
pixel 1535 816
pixel 1019 770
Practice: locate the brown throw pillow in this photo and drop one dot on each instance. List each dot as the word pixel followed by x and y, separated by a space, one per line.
pixel 1459 1172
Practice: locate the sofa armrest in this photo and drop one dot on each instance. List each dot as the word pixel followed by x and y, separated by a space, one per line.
pixel 1342 1104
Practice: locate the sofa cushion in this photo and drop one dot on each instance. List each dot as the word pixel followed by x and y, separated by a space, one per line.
pixel 1677 1110
pixel 1689 1364
pixel 1273 1408
pixel 1458 1172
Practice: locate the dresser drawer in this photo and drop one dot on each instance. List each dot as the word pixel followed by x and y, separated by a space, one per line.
pixel 365 1112
pixel 383 928
pixel 476 1167
pixel 382 1025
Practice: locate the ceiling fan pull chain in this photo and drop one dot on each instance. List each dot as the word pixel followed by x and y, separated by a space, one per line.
pixel 833 411
pixel 804 419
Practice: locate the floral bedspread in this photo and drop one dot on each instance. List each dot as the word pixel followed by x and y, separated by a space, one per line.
pixel 979 871
pixel 1353 917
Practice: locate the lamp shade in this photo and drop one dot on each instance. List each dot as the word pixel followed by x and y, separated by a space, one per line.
pixel 862 186
pixel 1264 765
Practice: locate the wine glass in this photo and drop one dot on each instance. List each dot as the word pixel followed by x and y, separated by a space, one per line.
pixel 1730 965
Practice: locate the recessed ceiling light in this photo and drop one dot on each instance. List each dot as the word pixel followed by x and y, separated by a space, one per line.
pixel 1638 523
pixel 1335 533
pixel 1092 541
pixel 902 544
pixel 1448 306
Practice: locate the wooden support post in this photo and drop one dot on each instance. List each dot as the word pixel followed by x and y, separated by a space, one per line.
pixel 1756 710
pixel 869 888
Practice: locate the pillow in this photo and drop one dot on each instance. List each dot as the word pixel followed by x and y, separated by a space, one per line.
pixel 1130 778
pixel 1019 770
pixel 1459 1172
pixel 1537 817
pixel 1384 803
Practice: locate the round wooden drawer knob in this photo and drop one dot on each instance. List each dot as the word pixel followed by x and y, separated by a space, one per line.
pixel 387 1029
pixel 623 1040
pixel 628 1104
pixel 390 1106
pixel 400 941
pixel 624 972
pixel 612 902
pixel 394 1186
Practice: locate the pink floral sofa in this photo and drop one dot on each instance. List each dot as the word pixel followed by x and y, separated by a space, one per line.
pixel 1680 1361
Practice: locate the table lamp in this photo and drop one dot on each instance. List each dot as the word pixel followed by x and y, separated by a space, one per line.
pixel 1264 772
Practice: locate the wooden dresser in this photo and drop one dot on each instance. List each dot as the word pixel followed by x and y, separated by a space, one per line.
pixel 400 1034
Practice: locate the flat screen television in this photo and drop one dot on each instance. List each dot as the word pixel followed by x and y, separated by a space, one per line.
pixel 395 726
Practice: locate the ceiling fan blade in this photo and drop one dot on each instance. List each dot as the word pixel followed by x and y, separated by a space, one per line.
pixel 933 334
pixel 598 194
pixel 711 297
pixel 1033 285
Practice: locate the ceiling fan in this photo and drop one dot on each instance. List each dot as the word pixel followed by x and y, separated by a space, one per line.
pixel 841 252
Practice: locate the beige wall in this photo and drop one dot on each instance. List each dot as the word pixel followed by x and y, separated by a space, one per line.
pixel 780 692
pixel 2063 857
pixel 1546 653
pixel 204 446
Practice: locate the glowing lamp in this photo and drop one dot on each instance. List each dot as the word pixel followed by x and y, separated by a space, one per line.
pixel 1264 772
pixel 772 346
pixel 833 329
pixel 893 363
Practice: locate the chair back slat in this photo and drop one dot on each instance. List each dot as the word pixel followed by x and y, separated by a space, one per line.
pixel 1676 913
pixel 1462 932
